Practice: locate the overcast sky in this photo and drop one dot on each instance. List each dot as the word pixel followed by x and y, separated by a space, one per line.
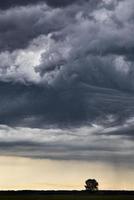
pixel 67 80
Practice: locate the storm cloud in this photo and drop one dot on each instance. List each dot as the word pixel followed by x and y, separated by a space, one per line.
pixel 53 3
pixel 66 65
pixel 69 144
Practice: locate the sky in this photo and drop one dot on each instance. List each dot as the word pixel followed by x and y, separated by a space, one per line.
pixel 66 93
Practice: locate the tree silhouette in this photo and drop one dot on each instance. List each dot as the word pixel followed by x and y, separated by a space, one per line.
pixel 91 185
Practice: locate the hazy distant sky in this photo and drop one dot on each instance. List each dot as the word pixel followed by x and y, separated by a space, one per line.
pixel 66 92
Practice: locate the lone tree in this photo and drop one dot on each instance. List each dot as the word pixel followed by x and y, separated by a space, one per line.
pixel 91 185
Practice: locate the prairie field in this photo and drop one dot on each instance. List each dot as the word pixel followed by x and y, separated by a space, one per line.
pixel 66 197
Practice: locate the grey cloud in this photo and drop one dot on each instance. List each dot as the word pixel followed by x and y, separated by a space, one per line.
pixel 14 3
pixel 39 106
pixel 69 87
pixel 20 25
pixel 125 130
pixel 90 46
pixel 67 67
pixel 54 3
pixel 65 144
pixel 57 3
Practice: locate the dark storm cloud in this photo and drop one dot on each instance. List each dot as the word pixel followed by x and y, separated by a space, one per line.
pixel 57 3
pixel 39 106
pixel 67 64
pixel 9 4
pixel 74 67
pixel 54 3
pixel 19 25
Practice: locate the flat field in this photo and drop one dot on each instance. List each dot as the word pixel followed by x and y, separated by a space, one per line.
pixel 55 196
pixel 65 197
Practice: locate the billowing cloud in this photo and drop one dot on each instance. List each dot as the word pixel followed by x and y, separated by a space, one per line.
pixel 67 41
pixel 67 65
pixel 81 54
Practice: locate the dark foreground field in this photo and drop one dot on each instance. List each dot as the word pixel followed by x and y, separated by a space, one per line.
pixel 66 195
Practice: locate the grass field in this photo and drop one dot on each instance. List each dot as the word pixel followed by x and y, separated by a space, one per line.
pixel 65 197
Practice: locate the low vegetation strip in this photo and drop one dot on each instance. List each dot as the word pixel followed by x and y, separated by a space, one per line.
pixel 66 195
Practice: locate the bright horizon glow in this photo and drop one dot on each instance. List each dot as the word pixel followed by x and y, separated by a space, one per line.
pixel 18 173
